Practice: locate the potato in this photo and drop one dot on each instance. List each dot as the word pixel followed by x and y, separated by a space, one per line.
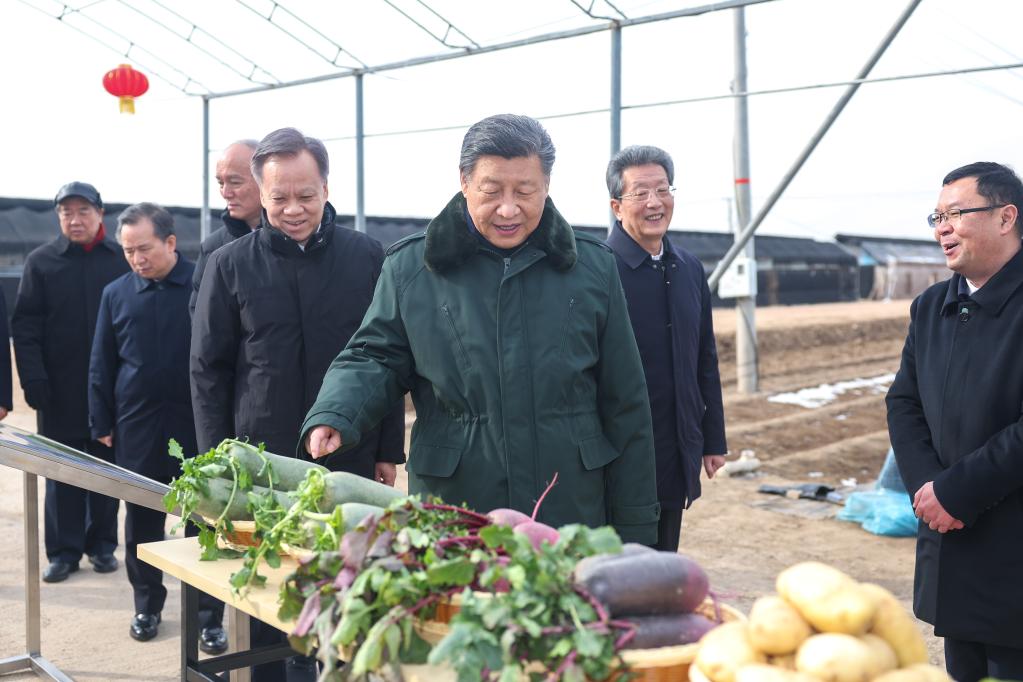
pixel 761 672
pixel 809 581
pixel 931 673
pixel 901 675
pixel 830 600
pixel 918 672
pixel 696 676
pixel 776 627
pixel 836 657
pixel 724 650
pixel 884 655
pixel 788 661
pixel 896 626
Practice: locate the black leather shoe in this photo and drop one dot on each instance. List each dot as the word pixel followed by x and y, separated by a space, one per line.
pixel 103 563
pixel 58 571
pixel 144 626
pixel 213 640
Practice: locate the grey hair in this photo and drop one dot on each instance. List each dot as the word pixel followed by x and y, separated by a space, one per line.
pixel 163 221
pixel 509 136
pixel 288 142
pixel 636 155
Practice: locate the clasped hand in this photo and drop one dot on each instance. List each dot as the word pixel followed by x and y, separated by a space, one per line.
pixel 929 510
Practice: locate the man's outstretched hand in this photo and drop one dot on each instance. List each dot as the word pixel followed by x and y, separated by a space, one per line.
pixel 322 441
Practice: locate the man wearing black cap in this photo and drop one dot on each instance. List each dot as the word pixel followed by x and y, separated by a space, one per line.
pixel 53 324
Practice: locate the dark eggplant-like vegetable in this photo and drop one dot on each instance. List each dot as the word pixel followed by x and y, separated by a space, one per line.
pixel 646 583
pixel 668 630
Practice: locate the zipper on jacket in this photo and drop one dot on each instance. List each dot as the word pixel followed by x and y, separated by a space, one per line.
pixel 507 264
pixel 454 332
pixel 568 325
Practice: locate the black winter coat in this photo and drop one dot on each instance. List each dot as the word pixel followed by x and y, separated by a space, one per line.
pixel 138 375
pixel 53 325
pixel 955 416
pixel 231 229
pixel 6 395
pixel 268 321
pixel 670 311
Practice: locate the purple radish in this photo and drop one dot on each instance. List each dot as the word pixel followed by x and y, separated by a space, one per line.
pixel 537 533
pixel 507 517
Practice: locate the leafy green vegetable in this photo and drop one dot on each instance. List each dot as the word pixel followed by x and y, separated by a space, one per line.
pixel 547 625
pixel 189 490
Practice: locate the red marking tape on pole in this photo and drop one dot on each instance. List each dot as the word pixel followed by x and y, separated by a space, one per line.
pixel 742 181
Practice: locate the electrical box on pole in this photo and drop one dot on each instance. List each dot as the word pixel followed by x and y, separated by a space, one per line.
pixel 739 280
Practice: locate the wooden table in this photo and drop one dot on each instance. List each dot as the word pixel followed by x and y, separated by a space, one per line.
pixel 180 558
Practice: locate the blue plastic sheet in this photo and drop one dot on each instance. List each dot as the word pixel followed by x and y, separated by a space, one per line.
pixel 886 510
pixel 881 512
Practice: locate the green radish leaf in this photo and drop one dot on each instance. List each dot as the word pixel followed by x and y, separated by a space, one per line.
pixel 175 451
pixel 451 572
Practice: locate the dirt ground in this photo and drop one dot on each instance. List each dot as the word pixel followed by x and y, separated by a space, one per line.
pixel 741 537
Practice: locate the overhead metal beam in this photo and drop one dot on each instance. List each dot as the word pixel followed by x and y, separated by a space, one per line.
pixel 360 166
pixel 747 232
pixel 547 37
pixel 204 216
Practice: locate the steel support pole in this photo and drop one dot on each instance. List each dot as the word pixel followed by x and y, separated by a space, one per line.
pixel 33 641
pixel 204 216
pixel 616 99
pixel 746 306
pixel 360 169
pixel 616 89
pixel 748 230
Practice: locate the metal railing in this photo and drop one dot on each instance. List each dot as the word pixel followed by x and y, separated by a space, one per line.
pixel 38 456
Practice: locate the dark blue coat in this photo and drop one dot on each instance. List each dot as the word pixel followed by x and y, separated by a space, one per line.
pixel 138 372
pixel 53 323
pixel 670 312
pixel 955 417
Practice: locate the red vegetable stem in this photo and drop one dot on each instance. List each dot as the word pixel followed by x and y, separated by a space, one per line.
pixel 459 540
pixel 536 509
pixel 597 606
pixel 565 662
pixel 480 518
pixel 625 637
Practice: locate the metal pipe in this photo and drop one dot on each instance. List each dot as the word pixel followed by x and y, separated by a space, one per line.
pixel 616 101
pixel 616 89
pixel 748 231
pixel 204 215
pixel 745 306
pixel 360 169
pixel 37 455
pixel 559 35
pixel 33 640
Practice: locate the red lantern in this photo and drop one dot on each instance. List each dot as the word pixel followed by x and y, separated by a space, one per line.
pixel 126 83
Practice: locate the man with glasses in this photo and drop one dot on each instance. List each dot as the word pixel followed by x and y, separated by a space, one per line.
pixel 669 306
pixel 954 416
pixel 52 326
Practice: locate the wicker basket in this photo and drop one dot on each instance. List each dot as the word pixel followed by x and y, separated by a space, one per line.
pixel 671 663
pixel 297 553
pixel 241 537
pixel 664 664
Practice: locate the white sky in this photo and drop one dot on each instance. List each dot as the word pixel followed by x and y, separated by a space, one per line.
pixel 877 172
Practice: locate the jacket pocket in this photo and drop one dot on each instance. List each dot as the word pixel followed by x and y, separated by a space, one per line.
pixel 597 452
pixel 454 333
pixel 434 460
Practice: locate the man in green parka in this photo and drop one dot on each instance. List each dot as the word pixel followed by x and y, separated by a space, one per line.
pixel 511 331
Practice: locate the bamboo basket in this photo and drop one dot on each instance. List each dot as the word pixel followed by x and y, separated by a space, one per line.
pixel 241 537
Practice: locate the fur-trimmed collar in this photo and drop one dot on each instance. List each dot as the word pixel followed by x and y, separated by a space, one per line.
pixel 449 243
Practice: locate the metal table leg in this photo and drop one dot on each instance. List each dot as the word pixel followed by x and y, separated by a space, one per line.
pixel 32 660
